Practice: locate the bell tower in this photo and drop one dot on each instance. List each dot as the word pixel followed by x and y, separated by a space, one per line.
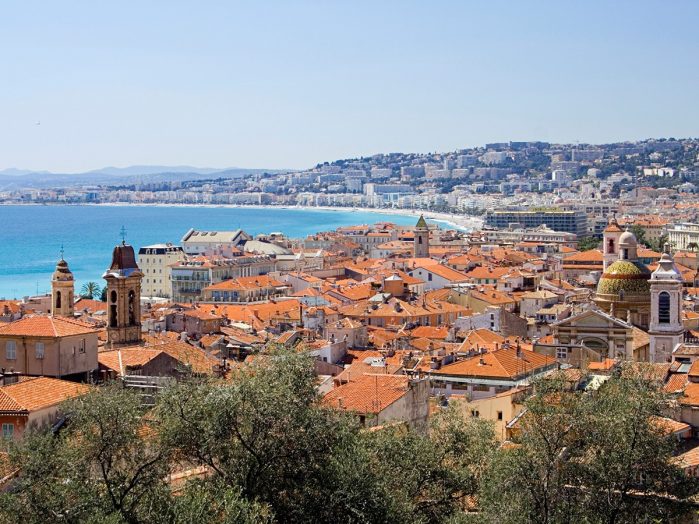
pixel 610 244
pixel 665 328
pixel 421 246
pixel 123 297
pixel 62 290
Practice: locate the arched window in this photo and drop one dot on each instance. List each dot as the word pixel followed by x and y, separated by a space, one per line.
pixel 419 240
pixel 114 296
pixel 610 246
pixel 664 307
pixel 132 308
pixel 58 300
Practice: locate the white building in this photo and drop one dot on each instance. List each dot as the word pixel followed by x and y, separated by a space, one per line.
pixel 155 263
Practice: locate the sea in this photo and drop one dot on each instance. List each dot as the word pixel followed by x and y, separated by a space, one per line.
pixel 32 237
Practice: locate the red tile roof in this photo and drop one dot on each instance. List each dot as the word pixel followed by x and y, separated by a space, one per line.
pixel 46 326
pixel 35 393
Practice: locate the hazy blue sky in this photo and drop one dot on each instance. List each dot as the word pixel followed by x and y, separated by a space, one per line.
pixel 289 84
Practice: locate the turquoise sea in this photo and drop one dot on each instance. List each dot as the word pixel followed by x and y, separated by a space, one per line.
pixel 31 236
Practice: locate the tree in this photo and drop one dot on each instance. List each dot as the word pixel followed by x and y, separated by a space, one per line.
pixel 102 465
pixel 103 294
pixel 90 290
pixel 589 457
pixel 693 246
pixel 588 243
pixel 639 233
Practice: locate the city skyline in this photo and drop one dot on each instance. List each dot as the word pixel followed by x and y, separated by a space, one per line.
pixel 205 87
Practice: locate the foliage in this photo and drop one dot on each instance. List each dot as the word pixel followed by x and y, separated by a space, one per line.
pixel 103 294
pixel 268 450
pixel 90 290
pixel 639 233
pixel 589 458
pixel 588 243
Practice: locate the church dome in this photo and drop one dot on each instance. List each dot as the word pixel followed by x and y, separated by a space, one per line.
pixel 625 277
pixel 628 239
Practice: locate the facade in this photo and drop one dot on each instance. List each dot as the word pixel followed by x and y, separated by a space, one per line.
pixel 155 262
pixel 190 277
pixel 33 402
pixel 123 297
pixel 683 235
pixel 51 346
pixel 574 221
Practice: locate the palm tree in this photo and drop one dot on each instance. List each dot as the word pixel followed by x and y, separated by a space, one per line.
pixel 90 290
pixel 693 246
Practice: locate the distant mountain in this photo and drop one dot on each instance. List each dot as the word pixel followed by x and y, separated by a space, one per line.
pixel 11 171
pixel 152 170
pixel 13 178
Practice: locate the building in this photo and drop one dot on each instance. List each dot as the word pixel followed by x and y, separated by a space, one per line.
pixel 190 277
pixel 196 242
pixel 51 346
pixel 123 297
pixel 34 402
pixel 683 235
pixel 378 399
pixel 155 262
pixel 573 221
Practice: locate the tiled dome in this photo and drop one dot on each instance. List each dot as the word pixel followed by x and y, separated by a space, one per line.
pixel 627 276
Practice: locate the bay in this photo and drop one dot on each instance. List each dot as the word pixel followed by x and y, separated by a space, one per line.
pixel 31 236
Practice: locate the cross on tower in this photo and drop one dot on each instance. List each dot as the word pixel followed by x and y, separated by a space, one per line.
pixel 61 251
pixel 123 235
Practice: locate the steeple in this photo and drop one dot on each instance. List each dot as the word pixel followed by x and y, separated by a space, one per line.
pixel 610 244
pixel 666 289
pixel 123 296
pixel 421 245
pixel 62 289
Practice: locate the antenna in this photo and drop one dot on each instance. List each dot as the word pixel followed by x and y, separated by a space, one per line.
pixel 62 250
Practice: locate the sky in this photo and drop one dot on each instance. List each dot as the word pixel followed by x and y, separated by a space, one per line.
pixel 267 84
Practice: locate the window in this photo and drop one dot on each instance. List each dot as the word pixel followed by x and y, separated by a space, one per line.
pixel 82 346
pixel 664 307
pixel 475 413
pixel 39 350
pixel 8 430
pixel 11 350
pixel 499 415
pixel 562 353
pixel 58 299
pixel 481 387
pixel 429 277
pixel 610 246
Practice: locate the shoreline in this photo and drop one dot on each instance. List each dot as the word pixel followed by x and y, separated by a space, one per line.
pixel 459 222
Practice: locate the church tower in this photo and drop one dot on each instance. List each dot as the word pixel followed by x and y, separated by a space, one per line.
pixel 62 290
pixel 123 297
pixel 610 245
pixel 665 328
pixel 421 246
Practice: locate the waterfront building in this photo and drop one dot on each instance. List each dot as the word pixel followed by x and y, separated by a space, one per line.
pixel 574 221
pixel 155 261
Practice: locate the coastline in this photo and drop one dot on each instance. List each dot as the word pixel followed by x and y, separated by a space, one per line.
pixel 452 220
